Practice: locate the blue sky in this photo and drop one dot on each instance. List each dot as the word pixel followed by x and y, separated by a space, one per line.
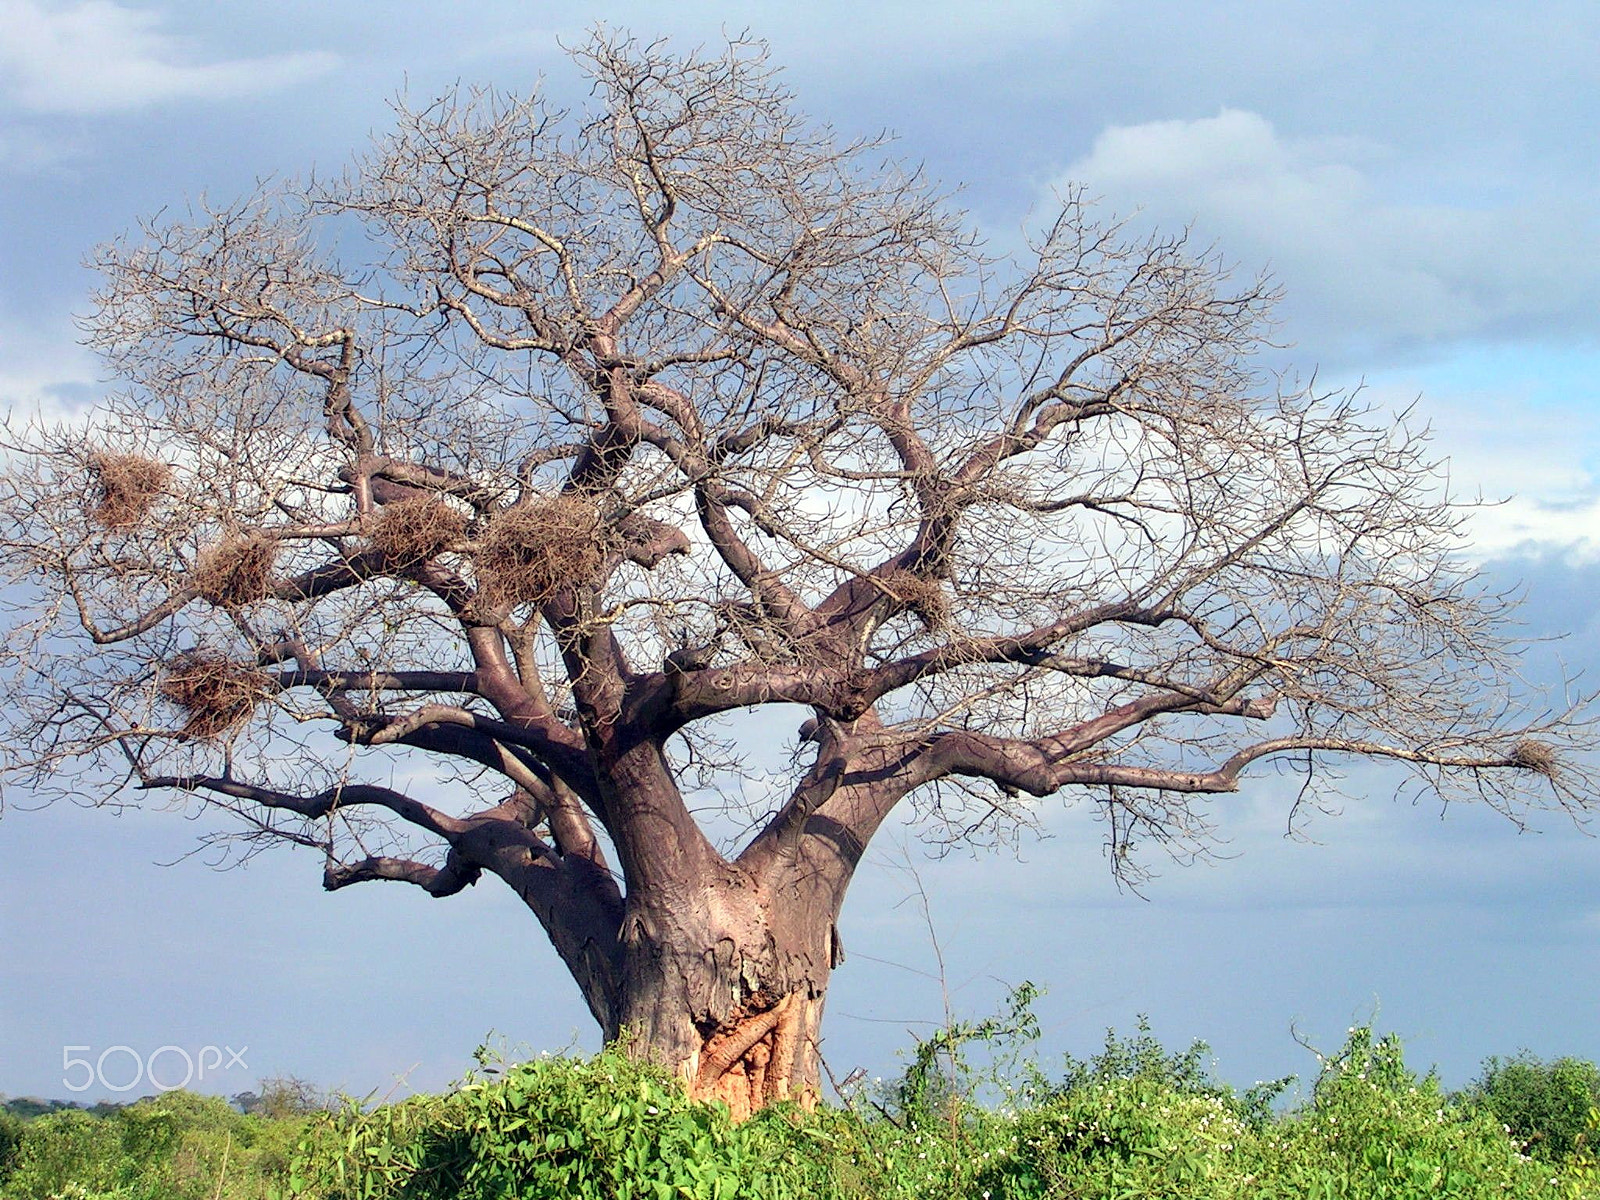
pixel 1419 177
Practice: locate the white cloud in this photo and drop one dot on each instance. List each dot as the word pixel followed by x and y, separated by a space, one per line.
pixel 1532 465
pixel 98 56
pixel 46 375
pixel 1365 263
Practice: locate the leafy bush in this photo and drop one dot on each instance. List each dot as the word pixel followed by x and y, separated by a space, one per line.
pixel 11 1127
pixel 1138 1122
pixel 1582 1174
pixel 607 1127
pixel 1134 1120
pixel 64 1148
pixel 1546 1104
pixel 176 1146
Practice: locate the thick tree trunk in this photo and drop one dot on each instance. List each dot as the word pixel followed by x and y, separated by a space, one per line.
pixel 726 987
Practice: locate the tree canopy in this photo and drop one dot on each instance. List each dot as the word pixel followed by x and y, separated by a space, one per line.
pixel 446 510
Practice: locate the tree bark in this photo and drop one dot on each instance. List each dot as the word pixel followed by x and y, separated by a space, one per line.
pixel 724 985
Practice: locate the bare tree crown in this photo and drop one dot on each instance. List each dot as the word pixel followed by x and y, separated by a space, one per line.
pixel 543 440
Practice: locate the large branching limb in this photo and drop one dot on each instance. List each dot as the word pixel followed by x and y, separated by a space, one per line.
pixel 462 733
pixel 347 571
pixel 845 692
pixel 713 499
pixel 447 880
pixel 860 773
pixel 558 805
pixel 320 804
pixel 569 824
pixel 428 478
pixel 474 733
pixel 1032 648
pixel 700 466
pixel 398 728
pixel 496 677
pixel 612 445
pixel 872 769
pixel 575 898
pixel 1041 768
pixel 380 681
pixel 290 648
pixel 816 787
pixel 712 502
pixel 703 693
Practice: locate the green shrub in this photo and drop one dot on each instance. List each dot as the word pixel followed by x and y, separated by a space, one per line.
pixel 176 1146
pixel 11 1127
pixel 1582 1168
pixel 1388 1133
pixel 66 1148
pixel 607 1127
pixel 1139 1122
pixel 1135 1120
pixel 1546 1104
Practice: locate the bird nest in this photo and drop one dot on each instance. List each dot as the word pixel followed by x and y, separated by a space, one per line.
pixel 127 487
pixel 1536 756
pixel 216 694
pixel 924 598
pixel 236 571
pixel 414 530
pixel 530 552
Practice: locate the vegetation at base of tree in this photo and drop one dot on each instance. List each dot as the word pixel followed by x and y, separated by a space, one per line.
pixel 972 1116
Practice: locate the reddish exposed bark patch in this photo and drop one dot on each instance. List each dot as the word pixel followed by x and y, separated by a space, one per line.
pixel 750 1062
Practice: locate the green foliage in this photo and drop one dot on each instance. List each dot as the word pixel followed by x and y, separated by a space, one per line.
pixel 1143 1124
pixel 1134 1120
pixel 1546 1104
pixel 941 1078
pixel 1142 1057
pixel 1582 1174
pixel 607 1127
pixel 176 1146
pixel 11 1127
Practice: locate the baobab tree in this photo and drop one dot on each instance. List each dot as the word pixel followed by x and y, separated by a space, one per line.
pixel 449 512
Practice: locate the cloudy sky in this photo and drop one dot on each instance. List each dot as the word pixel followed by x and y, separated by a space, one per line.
pixel 1421 178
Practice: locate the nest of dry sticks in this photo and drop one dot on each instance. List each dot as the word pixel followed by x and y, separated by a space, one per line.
pixel 1536 756
pixel 236 571
pixel 924 598
pixel 127 487
pixel 215 693
pixel 530 552
pixel 416 529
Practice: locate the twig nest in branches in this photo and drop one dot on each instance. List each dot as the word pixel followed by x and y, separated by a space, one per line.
pixel 411 531
pixel 127 487
pixel 923 597
pixel 216 693
pixel 530 552
pixel 1537 756
pixel 236 571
